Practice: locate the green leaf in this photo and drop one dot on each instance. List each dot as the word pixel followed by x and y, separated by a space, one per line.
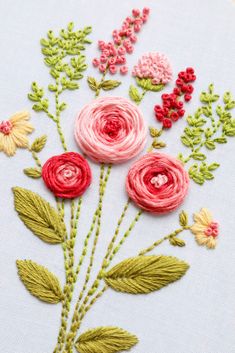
pixel 213 166
pixel 210 144
pixel 183 219
pixel 221 140
pixel 198 156
pixel 52 88
pixel 158 144
pixel 33 97
pixel 109 84
pixel 198 178
pixel 62 106
pixel 39 144
pixel 177 241
pixel 93 84
pixel 207 175
pixel 37 107
pixel 186 141
pixel 34 173
pixel 39 281
pixel 155 132
pixel 230 105
pixel 105 340
pixel 134 94
pixel 72 85
pixel 227 97
pixel 145 274
pixel 146 84
pixel 39 216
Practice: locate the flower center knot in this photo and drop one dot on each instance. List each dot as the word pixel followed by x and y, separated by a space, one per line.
pixel 212 229
pixel 6 127
pixel 112 128
pixel 159 180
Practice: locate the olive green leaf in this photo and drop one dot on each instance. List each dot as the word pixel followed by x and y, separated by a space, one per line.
pixel 146 84
pixel 220 140
pixel 183 218
pixel 198 156
pixel 134 94
pixel 210 144
pixel 158 144
pixel 39 281
pixel 105 340
pixel 145 274
pixel 39 144
pixel 39 216
pixel 93 83
pixel 34 173
pixel 109 84
pixel 176 241
pixel 154 132
pixel 213 166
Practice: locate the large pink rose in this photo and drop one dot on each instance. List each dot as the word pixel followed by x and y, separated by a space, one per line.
pixel 110 130
pixel 158 183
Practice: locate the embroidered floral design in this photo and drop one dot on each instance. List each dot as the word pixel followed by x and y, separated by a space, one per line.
pixel 152 73
pixel 110 130
pixel 113 54
pixel 157 183
pixel 13 133
pixel 67 175
pixel 205 229
pixel 206 129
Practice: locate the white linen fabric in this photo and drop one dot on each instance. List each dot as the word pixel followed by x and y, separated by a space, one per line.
pixel 193 315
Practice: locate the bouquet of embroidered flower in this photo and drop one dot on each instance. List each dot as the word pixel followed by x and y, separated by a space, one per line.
pixel 109 131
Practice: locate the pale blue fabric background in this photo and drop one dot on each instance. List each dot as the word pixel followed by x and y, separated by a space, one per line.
pixel 194 315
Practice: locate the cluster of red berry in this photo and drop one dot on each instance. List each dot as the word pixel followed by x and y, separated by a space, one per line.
pixel 113 53
pixel 172 107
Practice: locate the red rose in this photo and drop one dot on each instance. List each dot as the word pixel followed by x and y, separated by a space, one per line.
pixel 67 175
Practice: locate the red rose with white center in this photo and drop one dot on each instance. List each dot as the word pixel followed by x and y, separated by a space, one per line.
pixel 67 175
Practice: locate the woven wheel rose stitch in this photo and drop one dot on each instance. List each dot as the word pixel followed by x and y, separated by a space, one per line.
pixel 110 131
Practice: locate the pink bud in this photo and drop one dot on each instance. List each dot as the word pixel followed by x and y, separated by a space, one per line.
pixel 123 70
pixel 101 44
pixel 102 68
pixel 95 62
pixel 103 59
pixel 112 61
pixel 135 12
pixel 122 59
pixel 117 40
pixel 121 50
pixel 112 69
pixel 130 49
pixel 133 38
pixel 146 11
pixel 137 28
pixel 105 52
pixel 129 32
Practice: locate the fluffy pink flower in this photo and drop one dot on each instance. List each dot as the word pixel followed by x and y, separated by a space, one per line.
pixel 157 183
pixel 110 130
pixel 155 66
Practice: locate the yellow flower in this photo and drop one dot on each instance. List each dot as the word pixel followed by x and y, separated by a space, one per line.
pixel 205 229
pixel 13 133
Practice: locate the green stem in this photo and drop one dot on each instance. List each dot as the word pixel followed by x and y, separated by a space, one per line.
pixel 160 241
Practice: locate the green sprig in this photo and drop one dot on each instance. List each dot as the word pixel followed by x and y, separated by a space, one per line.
pixel 208 127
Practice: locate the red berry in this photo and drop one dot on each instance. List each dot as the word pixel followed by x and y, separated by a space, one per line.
pixel 184 88
pixel 167 123
pixel 165 96
pixel 181 113
pixel 181 74
pixel 190 70
pixel 187 97
pixel 190 89
pixel 166 104
pixel 179 82
pixel 159 116
pixel 180 104
pixel 193 77
pixel 174 116
pixel 165 111
pixel 176 91
pixel 157 108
